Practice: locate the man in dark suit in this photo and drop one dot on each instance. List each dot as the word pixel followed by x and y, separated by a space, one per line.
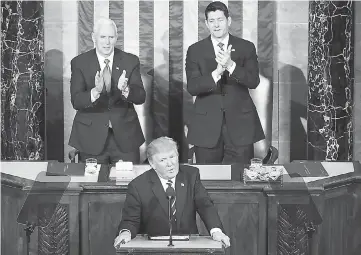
pixel 220 69
pixel 105 83
pixel 146 207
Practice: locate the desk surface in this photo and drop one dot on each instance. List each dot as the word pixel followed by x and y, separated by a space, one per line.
pixel 21 172
pixel 196 243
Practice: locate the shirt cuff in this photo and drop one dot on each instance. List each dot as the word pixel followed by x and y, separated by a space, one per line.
pixel 124 230
pixel 94 95
pixel 216 77
pixel 213 230
pixel 231 69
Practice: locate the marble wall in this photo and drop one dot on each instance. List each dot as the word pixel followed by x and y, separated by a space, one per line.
pixel 357 86
pixel 330 80
pixel 22 85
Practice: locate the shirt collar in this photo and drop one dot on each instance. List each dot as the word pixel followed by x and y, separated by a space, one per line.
pixel 101 58
pixel 164 181
pixel 224 41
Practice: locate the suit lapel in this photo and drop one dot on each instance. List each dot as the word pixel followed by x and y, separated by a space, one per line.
pixel 210 55
pixel 159 191
pixel 181 194
pixel 117 68
pixel 94 66
pixel 232 42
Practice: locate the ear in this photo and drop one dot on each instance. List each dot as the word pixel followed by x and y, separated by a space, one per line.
pixel 151 163
pixel 206 22
pixel 229 20
pixel 93 37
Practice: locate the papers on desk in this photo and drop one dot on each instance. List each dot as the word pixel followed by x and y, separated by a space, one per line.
pixel 166 238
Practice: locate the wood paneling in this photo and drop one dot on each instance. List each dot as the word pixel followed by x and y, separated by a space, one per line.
pixel 341 228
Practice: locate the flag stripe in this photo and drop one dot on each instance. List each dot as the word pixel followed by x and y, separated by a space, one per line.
pixel 131 27
pixel 146 57
pixel 116 13
pixel 70 50
pixel 249 13
pixel 146 34
pixel 235 12
pixel 161 67
pixel 265 37
pixel 190 36
pixel 202 28
pixel 175 73
pixel 86 23
pixel 101 9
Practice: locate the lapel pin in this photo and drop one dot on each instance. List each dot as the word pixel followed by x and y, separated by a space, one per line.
pixel 117 68
pixel 182 184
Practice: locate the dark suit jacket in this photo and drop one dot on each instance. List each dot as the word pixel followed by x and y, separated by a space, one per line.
pixel 146 206
pixel 91 122
pixel 242 120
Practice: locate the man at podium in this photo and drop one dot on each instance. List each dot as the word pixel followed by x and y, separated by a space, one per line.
pixel 146 209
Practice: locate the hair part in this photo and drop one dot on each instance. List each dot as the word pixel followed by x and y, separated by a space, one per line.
pixel 216 6
pixel 104 21
pixel 161 144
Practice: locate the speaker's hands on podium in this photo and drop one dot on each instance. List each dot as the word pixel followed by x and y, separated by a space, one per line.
pixel 122 238
pixel 221 237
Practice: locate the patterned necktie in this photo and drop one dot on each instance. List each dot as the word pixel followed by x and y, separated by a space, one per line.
pixel 220 45
pixel 173 199
pixel 107 75
pixel 223 79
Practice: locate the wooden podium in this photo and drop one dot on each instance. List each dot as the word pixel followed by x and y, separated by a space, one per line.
pixel 196 245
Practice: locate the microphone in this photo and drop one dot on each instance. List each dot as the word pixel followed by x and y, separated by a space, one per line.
pixel 170 192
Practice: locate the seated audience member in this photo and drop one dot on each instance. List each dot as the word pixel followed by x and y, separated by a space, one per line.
pixel 146 206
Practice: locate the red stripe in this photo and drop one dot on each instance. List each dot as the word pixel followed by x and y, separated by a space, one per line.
pixel 85 25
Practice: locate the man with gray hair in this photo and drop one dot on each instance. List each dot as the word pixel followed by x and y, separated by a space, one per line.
pixel 105 84
pixel 146 207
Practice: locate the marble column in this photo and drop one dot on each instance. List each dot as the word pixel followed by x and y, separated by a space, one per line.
pixel 330 80
pixel 22 87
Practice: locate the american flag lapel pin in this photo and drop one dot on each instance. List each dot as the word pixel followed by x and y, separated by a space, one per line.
pixel 117 68
pixel 182 184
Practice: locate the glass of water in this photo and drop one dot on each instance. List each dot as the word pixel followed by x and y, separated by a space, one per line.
pixel 91 165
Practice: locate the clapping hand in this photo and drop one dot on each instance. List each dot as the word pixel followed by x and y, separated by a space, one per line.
pixel 123 81
pixel 223 57
pixel 99 82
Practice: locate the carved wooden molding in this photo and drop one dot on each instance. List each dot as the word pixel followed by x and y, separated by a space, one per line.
pixel 54 236
pixel 292 235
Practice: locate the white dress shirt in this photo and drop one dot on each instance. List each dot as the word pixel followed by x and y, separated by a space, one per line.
pixel 94 96
pixel 165 186
pixel 216 48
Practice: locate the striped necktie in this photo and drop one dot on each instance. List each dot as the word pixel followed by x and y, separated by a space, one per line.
pixel 173 199
pixel 224 75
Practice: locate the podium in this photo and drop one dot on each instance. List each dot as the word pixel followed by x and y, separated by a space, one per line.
pixel 140 245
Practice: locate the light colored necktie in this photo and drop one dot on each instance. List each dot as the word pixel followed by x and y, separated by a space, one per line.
pixel 107 75
pixel 173 199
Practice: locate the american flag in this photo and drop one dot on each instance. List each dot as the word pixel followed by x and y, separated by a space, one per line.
pixel 159 32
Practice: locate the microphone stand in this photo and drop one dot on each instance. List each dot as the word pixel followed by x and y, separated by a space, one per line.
pixel 170 222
